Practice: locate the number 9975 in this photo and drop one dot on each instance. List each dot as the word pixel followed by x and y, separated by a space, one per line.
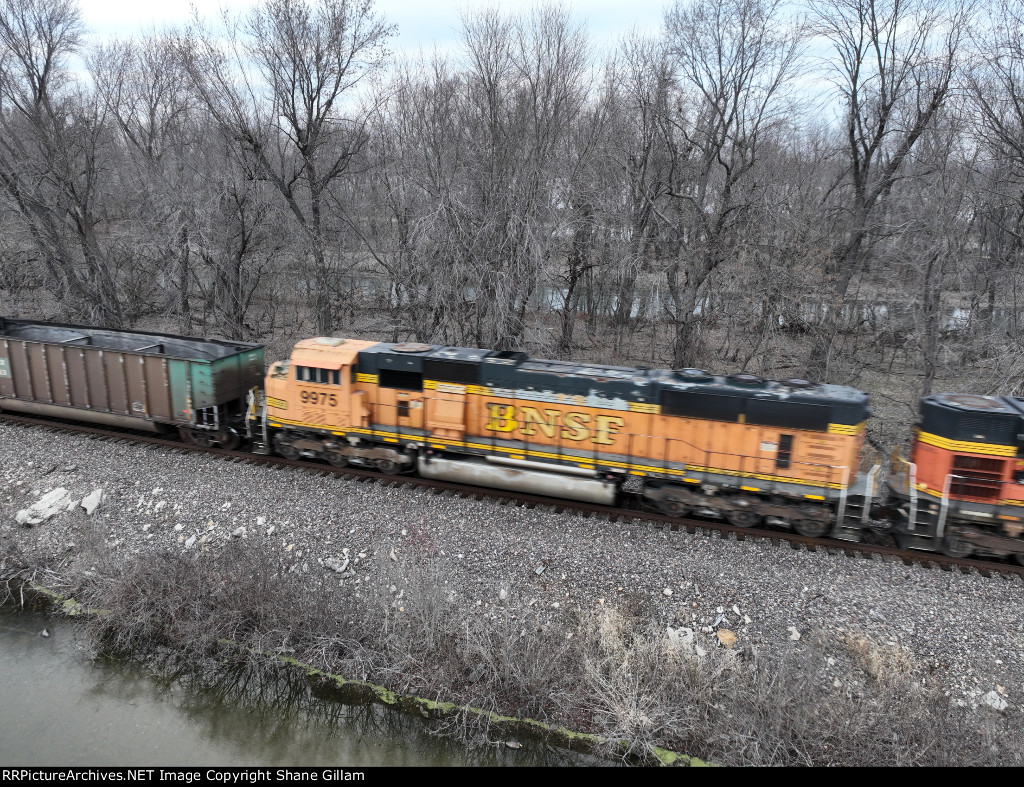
pixel 316 397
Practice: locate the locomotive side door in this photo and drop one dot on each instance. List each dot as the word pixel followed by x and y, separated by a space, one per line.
pixel 409 410
pixel 446 411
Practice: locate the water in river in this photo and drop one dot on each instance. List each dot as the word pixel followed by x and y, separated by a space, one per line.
pixel 59 708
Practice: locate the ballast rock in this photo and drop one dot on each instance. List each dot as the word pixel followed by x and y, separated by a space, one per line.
pixel 92 500
pixel 993 700
pixel 50 504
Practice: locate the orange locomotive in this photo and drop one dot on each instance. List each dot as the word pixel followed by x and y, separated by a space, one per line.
pixel 963 488
pixel 741 448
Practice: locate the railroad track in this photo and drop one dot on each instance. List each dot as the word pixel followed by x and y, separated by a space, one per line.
pixel 862 550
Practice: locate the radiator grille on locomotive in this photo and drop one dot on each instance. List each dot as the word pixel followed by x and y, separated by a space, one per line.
pixel 977 477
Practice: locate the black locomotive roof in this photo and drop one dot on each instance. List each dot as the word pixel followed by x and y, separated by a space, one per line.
pixel 996 420
pixel 572 379
pixel 796 404
pixel 597 372
pixel 417 358
pixel 141 342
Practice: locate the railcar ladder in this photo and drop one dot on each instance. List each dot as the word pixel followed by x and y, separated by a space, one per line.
pixel 256 421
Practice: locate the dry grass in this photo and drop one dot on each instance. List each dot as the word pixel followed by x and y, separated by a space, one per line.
pixel 887 663
pixel 617 672
pixel 18 574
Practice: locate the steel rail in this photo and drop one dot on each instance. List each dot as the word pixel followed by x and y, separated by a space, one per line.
pixel 986 568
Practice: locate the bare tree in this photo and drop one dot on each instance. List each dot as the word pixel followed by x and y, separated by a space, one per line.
pixel 733 60
pixel 145 90
pixel 892 67
pixel 283 90
pixel 526 86
pixel 54 137
pixel 935 206
pixel 638 145
pixel 418 151
pixel 477 166
pixel 238 238
pixel 996 88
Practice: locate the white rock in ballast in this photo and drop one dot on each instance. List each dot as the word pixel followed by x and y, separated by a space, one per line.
pixel 53 502
pixel 993 700
pixel 92 500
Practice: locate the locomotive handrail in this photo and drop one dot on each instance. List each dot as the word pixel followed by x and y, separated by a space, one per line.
pixel 257 401
pixel 841 510
pixel 899 471
pixel 912 478
pixel 869 492
pixel 944 507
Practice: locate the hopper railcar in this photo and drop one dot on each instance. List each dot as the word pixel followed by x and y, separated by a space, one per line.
pixel 134 379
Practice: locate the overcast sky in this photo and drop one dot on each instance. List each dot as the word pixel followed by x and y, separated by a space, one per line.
pixel 421 24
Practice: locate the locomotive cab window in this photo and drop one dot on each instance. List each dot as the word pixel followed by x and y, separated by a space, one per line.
pixel 314 374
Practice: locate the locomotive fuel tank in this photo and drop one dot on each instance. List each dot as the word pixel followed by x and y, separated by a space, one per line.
pixel 513 475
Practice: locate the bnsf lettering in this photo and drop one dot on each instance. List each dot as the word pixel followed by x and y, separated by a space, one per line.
pixel 551 422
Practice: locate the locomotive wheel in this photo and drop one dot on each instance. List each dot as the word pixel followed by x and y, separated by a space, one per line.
pixel 336 459
pixel 954 546
pixel 202 439
pixel 228 439
pixel 387 466
pixel 743 518
pixel 286 449
pixel 812 528
pixel 672 507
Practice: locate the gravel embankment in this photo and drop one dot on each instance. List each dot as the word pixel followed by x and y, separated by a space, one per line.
pixel 965 629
